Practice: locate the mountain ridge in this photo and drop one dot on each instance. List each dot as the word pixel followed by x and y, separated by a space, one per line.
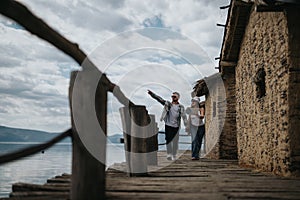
pixel 11 134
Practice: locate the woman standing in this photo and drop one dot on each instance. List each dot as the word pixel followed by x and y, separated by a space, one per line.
pixel 196 126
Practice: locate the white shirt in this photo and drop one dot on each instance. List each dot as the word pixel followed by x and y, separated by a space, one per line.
pixel 195 119
pixel 172 117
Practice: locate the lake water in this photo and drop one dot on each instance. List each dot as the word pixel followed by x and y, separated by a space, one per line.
pixel 53 161
pixel 42 166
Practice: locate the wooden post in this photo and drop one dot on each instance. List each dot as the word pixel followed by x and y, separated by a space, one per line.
pixel 88 173
pixel 152 143
pixel 126 125
pixel 138 157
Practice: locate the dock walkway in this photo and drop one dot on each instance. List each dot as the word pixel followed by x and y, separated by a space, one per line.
pixel 182 179
pixel 203 179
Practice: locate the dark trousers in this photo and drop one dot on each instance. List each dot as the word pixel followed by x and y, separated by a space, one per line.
pixel 172 137
pixel 197 133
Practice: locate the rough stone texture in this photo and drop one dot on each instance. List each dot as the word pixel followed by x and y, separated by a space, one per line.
pixel 228 141
pixel 215 106
pixel 220 117
pixel 263 124
pixel 211 132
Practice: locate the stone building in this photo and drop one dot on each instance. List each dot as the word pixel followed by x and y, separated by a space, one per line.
pixel 220 126
pixel 260 67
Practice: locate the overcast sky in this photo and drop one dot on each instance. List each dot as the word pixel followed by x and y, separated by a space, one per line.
pixel 162 45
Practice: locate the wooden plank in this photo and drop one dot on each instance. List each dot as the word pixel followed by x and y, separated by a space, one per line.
pixel 184 179
pixel 227 63
pixel 264 195
pixel 204 179
pixel 36 198
pixel 58 184
pixel 22 187
pixel 58 180
pixel 40 194
pixel 167 195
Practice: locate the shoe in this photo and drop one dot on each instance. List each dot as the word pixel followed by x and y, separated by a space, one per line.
pixel 173 157
pixel 194 158
pixel 169 157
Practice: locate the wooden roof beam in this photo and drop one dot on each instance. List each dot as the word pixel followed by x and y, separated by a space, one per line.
pixel 227 64
pixel 225 7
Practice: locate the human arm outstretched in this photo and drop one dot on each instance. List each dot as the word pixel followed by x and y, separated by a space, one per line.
pixel 156 97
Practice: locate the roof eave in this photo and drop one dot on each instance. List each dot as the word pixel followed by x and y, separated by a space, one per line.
pixel 237 20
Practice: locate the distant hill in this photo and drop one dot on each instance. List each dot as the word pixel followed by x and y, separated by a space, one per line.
pixel 9 134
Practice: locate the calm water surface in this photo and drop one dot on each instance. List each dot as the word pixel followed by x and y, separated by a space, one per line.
pixel 42 166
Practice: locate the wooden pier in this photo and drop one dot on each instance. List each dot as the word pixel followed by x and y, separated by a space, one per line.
pixel 182 179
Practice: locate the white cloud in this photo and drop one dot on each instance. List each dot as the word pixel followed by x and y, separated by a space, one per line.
pixel 196 19
pixel 34 76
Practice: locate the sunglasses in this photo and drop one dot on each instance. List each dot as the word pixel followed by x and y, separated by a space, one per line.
pixel 174 96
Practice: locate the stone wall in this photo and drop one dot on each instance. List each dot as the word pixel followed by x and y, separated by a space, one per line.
pixel 220 138
pixel 262 122
pixel 228 141
pixel 212 133
pixel 215 106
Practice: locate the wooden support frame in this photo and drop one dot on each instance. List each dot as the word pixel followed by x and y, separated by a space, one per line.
pixel 88 173
pixel 152 142
pixel 227 64
pixel 126 125
pixel 138 157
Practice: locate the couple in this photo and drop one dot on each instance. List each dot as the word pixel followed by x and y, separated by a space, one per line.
pixel 172 114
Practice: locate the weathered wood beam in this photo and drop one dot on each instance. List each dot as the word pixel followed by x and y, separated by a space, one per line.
pixel 126 125
pixel 233 28
pixel 88 173
pixel 151 142
pixel 224 7
pixel 222 25
pixel 238 9
pixel 227 64
pixel 28 187
pixel 138 157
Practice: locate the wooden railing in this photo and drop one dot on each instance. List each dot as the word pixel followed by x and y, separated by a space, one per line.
pixel 88 174
pixel 140 139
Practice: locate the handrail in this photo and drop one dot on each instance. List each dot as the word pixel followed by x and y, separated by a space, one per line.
pixel 33 149
pixel 160 144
